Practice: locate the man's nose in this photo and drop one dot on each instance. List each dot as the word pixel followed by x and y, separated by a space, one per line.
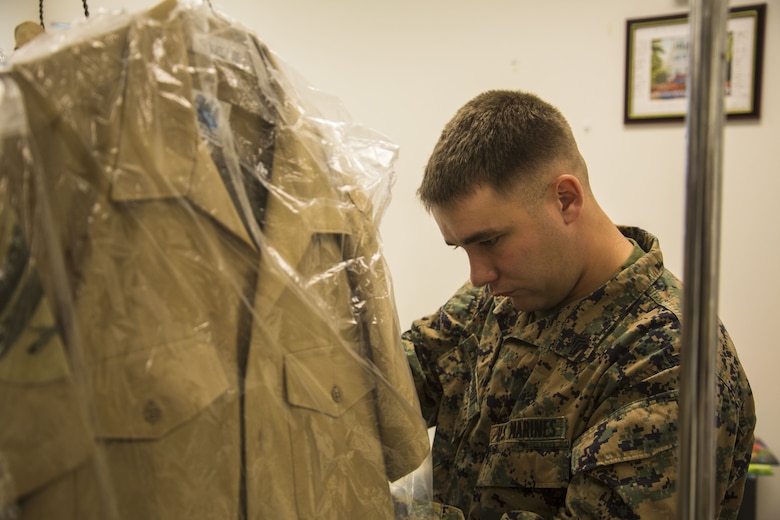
pixel 482 271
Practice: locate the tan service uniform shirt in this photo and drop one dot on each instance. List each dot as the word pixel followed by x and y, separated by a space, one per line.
pixel 213 361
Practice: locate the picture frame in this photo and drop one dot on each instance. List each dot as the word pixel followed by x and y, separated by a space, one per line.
pixel 657 66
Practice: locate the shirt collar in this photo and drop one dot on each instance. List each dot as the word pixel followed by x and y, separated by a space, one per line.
pixel 574 330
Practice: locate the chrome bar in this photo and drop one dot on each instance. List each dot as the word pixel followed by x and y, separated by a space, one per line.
pixel 704 125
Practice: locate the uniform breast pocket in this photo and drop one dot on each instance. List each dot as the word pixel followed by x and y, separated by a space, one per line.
pixel 334 434
pixel 527 453
pixel 327 380
pixel 148 394
pixel 167 422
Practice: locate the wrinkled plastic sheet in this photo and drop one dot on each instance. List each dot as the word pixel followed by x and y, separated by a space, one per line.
pixel 196 319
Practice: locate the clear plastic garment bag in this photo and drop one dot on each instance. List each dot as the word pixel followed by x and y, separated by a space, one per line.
pixel 197 320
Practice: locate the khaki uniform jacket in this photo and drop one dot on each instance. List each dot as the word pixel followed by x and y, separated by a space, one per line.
pixel 228 346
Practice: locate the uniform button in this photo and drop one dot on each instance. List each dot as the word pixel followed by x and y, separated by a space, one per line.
pixel 152 412
pixel 336 394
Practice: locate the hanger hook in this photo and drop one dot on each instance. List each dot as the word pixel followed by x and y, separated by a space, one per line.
pixel 40 11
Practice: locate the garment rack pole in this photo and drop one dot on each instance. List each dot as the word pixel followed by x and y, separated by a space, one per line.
pixel 704 125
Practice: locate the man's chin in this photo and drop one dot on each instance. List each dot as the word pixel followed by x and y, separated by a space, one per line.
pixel 521 300
pixel 527 304
pixel 522 304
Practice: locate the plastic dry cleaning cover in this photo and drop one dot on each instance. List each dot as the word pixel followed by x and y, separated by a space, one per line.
pixel 197 319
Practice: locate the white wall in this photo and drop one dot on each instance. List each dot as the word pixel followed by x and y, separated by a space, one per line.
pixel 403 67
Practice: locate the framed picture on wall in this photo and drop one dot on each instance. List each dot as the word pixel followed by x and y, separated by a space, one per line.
pixel 657 66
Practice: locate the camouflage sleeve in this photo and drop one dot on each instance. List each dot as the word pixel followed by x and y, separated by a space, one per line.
pixel 432 336
pixel 736 426
pixel 626 465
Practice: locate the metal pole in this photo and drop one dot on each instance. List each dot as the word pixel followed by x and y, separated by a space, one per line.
pixel 704 122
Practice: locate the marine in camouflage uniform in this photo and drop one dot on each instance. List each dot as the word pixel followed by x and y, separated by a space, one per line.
pixel 575 414
pixel 569 410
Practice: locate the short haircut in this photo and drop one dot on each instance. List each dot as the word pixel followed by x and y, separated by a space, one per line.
pixel 499 139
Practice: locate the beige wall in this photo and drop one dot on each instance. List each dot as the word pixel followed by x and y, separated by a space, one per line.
pixel 403 67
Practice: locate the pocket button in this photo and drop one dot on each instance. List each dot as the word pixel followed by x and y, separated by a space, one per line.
pixel 336 394
pixel 152 412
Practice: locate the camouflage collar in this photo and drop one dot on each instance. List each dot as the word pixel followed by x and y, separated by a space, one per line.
pixel 575 330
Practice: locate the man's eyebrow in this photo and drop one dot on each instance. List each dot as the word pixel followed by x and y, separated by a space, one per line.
pixel 479 236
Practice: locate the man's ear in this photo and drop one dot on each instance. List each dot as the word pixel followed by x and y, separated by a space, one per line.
pixel 571 197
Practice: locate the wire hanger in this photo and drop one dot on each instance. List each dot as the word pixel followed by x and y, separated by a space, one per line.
pixel 40 11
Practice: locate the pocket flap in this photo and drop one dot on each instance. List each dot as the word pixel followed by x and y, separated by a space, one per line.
pixel 146 394
pixel 638 430
pixel 329 380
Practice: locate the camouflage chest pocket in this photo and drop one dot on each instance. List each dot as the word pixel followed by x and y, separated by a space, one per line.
pixel 456 374
pixel 531 452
